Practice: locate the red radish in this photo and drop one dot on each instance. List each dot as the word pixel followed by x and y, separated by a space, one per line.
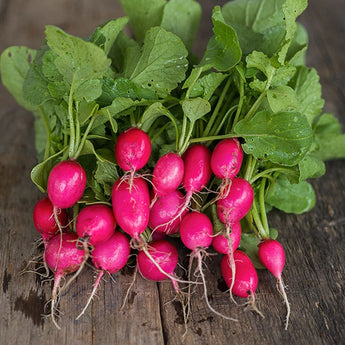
pixel 167 173
pixel 221 243
pixel 62 257
pixel 197 173
pixel 132 149
pixel 196 233
pixel 163 212
pixel 165 255
pixel 44 220
pixel 109 256
pixel 246 278
pixel 66 184
pixel 96 223
pixel 226 160
pixel 237 203
pixel 272 255
pixel 131 206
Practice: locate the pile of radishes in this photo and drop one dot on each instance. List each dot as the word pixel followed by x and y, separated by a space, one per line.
pixel 147 208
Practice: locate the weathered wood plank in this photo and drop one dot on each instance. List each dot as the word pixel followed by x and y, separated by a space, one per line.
pixel 314 247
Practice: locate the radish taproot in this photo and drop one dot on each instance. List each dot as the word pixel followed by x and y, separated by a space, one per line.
pixel 272 255
pixel 108 256
pixel 196 232
pixel 62 257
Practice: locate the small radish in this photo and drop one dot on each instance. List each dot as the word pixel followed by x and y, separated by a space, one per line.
pixel 165 255
pixel 221 243
pixel 226 160
pixel 167 173
pixel 272 255
pixel 246 278
pixel 66 184
pixel 196 232
pixel 44 221
pixel 197 173
pixel 132 150
pixel 163 212
pixel 62 257
pixel 131 206
pixel 96 223
pixel 109 256
pixel 237 203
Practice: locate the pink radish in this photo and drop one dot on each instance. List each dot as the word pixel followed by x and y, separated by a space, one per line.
pixel 167 173
pixel 245 279
pixel 62 257
pixel 196 232
pixel 44 221
pixel 96 223
pixel 226 160
pixel 221 243
pixel 163 212
pixel 131 206
pixel 165 255
pixel 66 184
pixel 272 255
pixel 109 256
pixel 197 173
pixel 132 149
pixel 237 203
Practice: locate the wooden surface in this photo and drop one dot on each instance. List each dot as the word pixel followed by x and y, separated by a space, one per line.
pixel 314 242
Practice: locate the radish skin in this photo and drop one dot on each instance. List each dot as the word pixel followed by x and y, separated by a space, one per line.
pixel 272 255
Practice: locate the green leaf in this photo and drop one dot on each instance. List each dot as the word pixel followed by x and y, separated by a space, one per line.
pixel 311 167
pixel 308 91
pixel 282 138
pixel 195 108
pixel 329 139
pixel 182 17
pixel 249 245
pixel 88 89
pixel 162 63
pixel 223 51
pixel 105 34
pixel 123 104
pixel 106 174
pixel 291 198
pixel 76 56
pixel 282 98
pixel 207 85
pixel 143 14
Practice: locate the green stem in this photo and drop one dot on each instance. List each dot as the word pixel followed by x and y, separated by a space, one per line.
pixel 213 137
pixel 240 105
pixel 217 108
pixel 71 119
pixel 186 139
pixel 268 171
pixel 48 132
pixel 257 220
pixel 262 207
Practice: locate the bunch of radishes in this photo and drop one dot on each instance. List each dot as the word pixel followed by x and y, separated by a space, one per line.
pixel 146 210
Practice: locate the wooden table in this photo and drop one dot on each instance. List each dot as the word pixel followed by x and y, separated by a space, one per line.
pixel 314 242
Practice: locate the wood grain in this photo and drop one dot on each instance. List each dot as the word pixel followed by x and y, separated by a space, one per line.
pixel 314 242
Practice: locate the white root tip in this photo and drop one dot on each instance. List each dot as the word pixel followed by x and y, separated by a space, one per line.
pixel 286 301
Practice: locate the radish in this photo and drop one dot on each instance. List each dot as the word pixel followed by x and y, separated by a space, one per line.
pixel 245 278
pixel 108 256
pixel 132 150
pixel 165 255
pixel 272 255
pixel 96 223
pixel 167 173
pixel 44 221
pixel 66 184
pixel 196 232
pixel 222 244
pixel 226 160
pixel 237 203
pixel 163 211
pixel 131 206
pixel 63 257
